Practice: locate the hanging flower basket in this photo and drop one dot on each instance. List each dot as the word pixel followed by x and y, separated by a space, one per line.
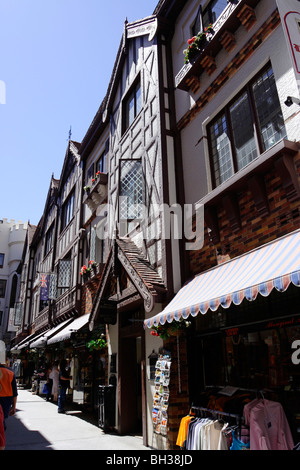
pixel 97 344
pixel 85 272
pixel 197 44
pixel 93 265
pixel 170 329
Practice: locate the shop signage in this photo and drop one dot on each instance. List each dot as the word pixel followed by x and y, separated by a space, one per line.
pixel 289 11
pixel 268 325
pixel 296 354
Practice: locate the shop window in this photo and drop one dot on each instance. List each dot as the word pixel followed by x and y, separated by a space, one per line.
pixel 248 126
pixel 250 345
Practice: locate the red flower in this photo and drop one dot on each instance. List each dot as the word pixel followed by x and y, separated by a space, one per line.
pixel 190 41
pixel 154 333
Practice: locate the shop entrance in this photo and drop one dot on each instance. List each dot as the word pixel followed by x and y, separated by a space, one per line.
pixel 131 389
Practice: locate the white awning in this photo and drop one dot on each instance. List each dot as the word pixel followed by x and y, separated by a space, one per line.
pixel 274 265
pixel 73 327
pixel 42 340
pixel 28 341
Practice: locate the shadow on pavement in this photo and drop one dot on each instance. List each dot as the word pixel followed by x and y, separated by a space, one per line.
pixel 18 437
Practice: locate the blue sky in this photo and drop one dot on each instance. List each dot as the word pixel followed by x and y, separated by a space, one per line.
pixel 56 59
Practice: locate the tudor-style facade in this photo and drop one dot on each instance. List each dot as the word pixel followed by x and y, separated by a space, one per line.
pixel 240 153
pixel 130 157
pixel 228 123
pixel 51 294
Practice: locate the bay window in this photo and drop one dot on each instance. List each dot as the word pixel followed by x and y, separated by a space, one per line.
pixel 246 127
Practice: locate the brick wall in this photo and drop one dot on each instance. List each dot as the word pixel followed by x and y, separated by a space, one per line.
pixel 89 290
pixel 283 218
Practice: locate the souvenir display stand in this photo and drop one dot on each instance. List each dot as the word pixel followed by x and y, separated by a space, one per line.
pixel 161 395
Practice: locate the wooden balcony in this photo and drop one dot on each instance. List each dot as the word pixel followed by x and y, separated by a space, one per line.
pixel 237 13
pixel 97 192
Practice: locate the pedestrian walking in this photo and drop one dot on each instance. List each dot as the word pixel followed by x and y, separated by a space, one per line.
pixel 8 386
pixel 49 383
pixel 54 376
pixel 64 384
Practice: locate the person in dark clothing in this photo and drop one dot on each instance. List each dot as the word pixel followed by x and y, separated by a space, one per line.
pixel 64 384
pixel 2 433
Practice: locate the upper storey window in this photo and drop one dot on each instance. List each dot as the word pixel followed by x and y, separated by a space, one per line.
pixel 209 15
pixel 68 210
pixel 132 105
pixel 248 126
pixel 213 11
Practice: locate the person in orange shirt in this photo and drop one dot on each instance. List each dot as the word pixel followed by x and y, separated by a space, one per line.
pixel 8 386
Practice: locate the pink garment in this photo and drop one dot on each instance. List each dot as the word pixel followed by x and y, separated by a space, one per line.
pixel 269 428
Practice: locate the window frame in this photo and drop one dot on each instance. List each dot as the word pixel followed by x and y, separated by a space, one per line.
pixel 134 94
pixel 257 130
pixel 207 13
pixel 49 239
pixel 3 284
pixel 67 213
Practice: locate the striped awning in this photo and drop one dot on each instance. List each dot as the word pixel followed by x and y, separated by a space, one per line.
pixel 274 265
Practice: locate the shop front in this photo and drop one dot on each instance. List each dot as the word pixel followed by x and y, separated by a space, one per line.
pixel 242 351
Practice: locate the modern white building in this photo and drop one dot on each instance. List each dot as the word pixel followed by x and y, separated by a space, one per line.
pixel 12 238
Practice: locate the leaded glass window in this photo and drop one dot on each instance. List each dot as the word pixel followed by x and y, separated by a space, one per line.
pixel 249 125
pixel 131 190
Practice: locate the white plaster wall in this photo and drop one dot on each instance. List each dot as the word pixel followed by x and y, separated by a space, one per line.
pixel 194 143
pixel 12 238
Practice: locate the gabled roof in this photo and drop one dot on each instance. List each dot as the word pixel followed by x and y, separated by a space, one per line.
pixel 101 119
pixel 143 276
pixel 71 157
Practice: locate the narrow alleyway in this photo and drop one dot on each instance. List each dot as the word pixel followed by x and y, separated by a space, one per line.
pixel 38 426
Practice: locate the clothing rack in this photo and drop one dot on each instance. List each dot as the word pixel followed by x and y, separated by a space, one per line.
pixel 237 417
pixel 257 391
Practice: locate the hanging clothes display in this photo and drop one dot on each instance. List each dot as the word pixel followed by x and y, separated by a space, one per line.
pixel 269 428
pixel 259 424
pixel 210 432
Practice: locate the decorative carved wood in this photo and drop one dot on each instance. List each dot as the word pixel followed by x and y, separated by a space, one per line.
pixel 231 206
pixel 257 187
pixel 285 167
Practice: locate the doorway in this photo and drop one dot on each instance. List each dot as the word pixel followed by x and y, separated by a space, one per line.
pixel 132 403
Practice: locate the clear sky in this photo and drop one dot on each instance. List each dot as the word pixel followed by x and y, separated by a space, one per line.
pixel 56 59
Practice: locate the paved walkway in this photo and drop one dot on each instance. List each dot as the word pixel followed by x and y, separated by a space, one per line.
pixel 37 426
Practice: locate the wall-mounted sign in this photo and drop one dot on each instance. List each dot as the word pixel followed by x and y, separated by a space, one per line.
pixel 289 11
